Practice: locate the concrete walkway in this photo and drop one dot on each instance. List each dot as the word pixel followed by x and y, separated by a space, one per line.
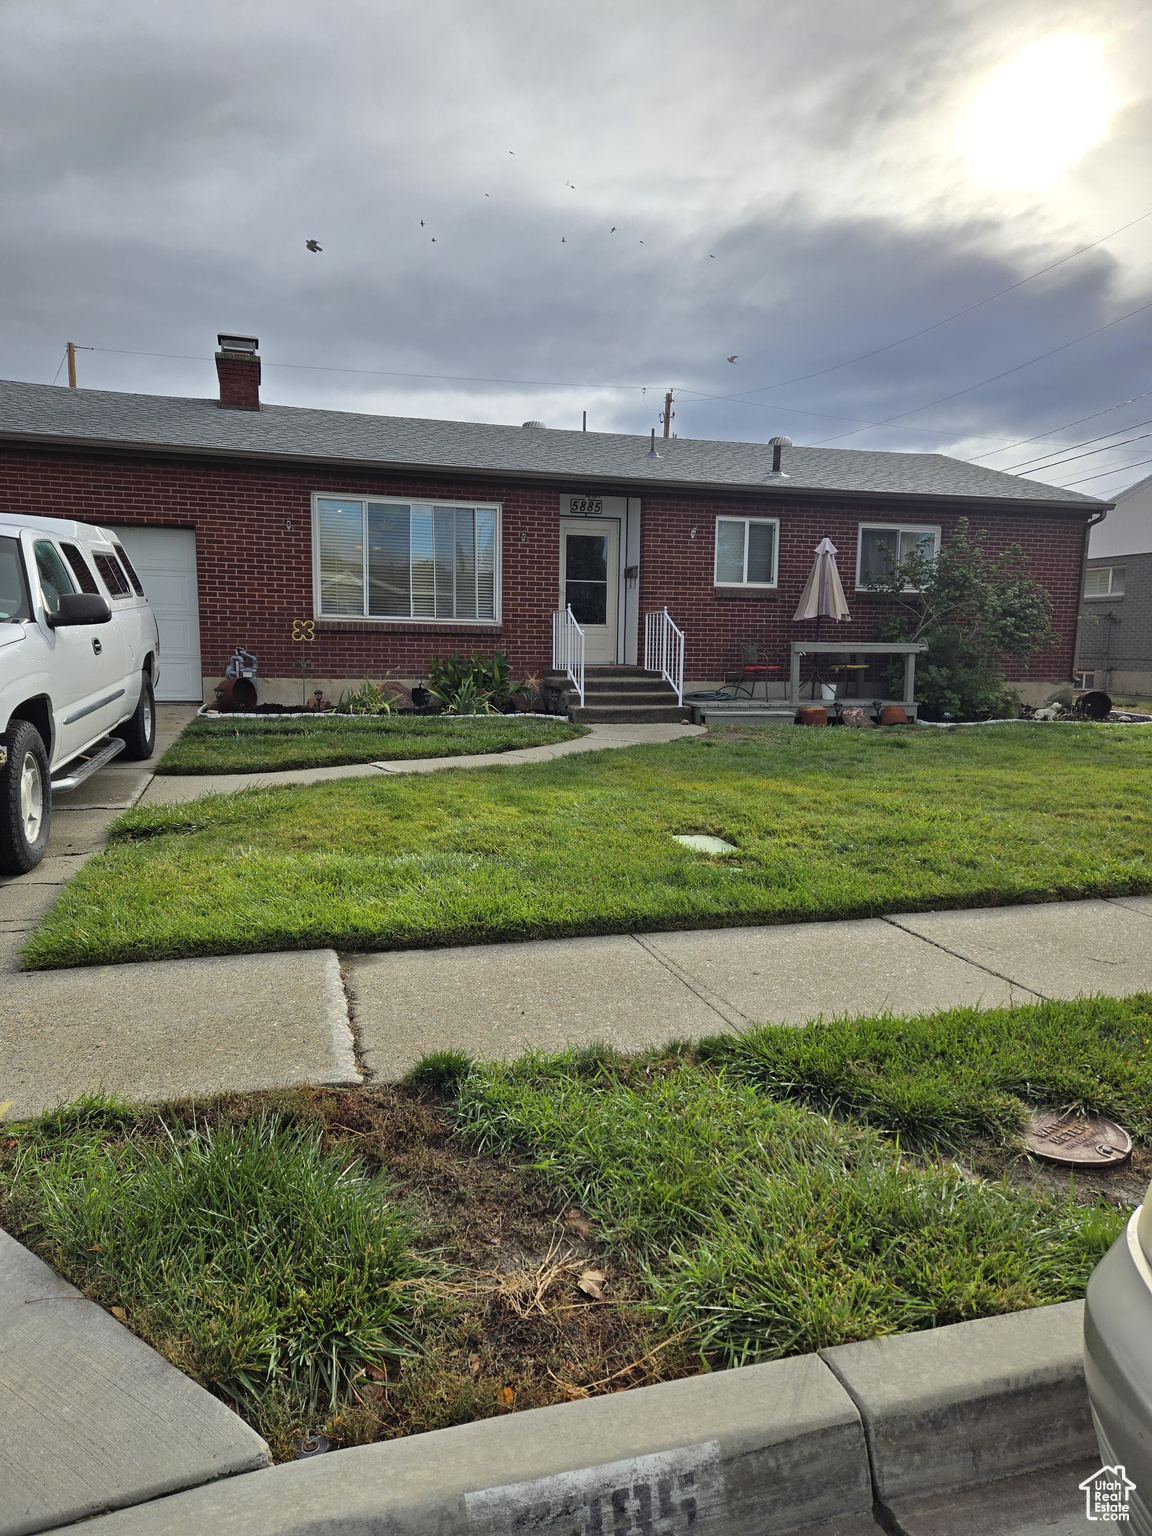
pixel 170 789
pixel 164 1028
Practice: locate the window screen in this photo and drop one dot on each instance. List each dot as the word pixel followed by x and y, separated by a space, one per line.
pixel 114 578
pixel 1105 581
pixel 882 546
pixel 54 578
pixel 399 560
pixel 80 568
pixel 745 552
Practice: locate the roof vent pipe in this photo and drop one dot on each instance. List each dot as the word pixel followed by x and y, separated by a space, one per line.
pixel 777 444
pixel 532 423
pixel 238 369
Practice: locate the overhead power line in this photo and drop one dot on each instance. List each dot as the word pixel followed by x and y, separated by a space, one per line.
pixel 1006 373
pixel 936 324
pixel 1101 473
pixel 1012 469
pixel 1079 422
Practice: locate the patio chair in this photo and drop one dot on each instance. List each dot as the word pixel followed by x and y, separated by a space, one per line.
pixel 754 668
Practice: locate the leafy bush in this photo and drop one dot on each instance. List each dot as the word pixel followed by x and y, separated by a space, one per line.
pixel 973 610
pixel 478 680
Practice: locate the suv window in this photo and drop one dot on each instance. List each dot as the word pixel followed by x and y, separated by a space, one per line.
pixel 80 568
pixel 114 578
pixel 14 603
pixel 54 578
pixel 130 568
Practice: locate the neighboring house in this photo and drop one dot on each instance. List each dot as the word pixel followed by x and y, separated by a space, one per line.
pixel 1115 638
pixel 403 538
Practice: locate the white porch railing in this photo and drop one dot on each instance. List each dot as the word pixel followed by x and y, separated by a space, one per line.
pixel 664 650
pixel 568 649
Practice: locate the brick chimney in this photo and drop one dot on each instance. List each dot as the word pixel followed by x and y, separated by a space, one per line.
pixel 238 369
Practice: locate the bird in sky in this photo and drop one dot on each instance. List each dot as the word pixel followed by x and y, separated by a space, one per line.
pixel 433 239
pixel 313 245
pixel 563 239
pixel 711 257
pixel 421 223
pixel 511 151
pixel 734 356
pixel 569 184
pixel 612 231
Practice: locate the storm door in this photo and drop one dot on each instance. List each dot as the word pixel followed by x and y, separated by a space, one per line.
pixel 590 582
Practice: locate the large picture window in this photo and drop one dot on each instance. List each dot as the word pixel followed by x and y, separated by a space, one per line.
pixel 406 560
pixel 883 544
pixel 746 551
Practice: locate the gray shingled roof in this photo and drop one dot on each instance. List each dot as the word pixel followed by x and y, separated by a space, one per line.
pixel 47 414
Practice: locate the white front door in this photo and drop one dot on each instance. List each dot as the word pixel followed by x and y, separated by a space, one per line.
pixel 165 561
pixel 590 582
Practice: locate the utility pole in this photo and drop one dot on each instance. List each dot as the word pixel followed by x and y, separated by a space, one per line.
pixel 668 413
pixel 71 365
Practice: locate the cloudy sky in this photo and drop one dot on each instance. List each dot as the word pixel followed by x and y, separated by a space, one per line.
pixel 532 209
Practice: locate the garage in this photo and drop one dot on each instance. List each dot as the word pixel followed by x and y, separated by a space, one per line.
pixel 165 560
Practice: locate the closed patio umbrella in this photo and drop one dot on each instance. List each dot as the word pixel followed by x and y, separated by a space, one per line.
pixel 823 596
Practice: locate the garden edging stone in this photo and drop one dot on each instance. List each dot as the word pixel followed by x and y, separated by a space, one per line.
pixel 803 1445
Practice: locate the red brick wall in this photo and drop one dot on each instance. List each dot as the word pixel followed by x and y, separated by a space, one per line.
pixel 676 569
pixel 255 572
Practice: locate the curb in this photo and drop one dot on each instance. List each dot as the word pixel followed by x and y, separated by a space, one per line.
pixel 832 1444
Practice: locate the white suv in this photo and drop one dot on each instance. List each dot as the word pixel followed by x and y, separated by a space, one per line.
pixel 79 661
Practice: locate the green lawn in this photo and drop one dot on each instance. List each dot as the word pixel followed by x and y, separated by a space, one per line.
pixel 763 1228
pixel 395 1258
pixel 827 824
pixel 256 746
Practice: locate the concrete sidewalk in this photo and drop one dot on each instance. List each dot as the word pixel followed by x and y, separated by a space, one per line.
pixel 165 1028
pixel 639 990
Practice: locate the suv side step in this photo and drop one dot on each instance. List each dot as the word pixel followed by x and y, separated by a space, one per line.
pixel 87 766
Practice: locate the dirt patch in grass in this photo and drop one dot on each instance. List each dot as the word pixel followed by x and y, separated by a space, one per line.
pixel 1123 1186
pixel 503 1323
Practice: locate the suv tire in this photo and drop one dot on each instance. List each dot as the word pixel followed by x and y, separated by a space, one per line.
pixel 139 733
pixel 25 800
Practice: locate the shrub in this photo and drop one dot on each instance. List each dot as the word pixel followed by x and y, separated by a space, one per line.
pixel 479 680
pixel 973 610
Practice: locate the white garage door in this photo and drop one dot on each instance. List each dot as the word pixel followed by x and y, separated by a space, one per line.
pixel 165 560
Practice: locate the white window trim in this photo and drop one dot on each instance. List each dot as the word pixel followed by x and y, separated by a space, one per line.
pixel 897 529
pixel 1103 597
pixel 405 501
pixel 758 585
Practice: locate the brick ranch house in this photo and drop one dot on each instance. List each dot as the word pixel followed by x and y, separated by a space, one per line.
pixel 403 538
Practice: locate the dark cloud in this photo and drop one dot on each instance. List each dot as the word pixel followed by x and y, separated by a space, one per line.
pixel 789 168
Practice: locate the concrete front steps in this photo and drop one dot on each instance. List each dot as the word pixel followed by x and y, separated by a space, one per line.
pixel 621 696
